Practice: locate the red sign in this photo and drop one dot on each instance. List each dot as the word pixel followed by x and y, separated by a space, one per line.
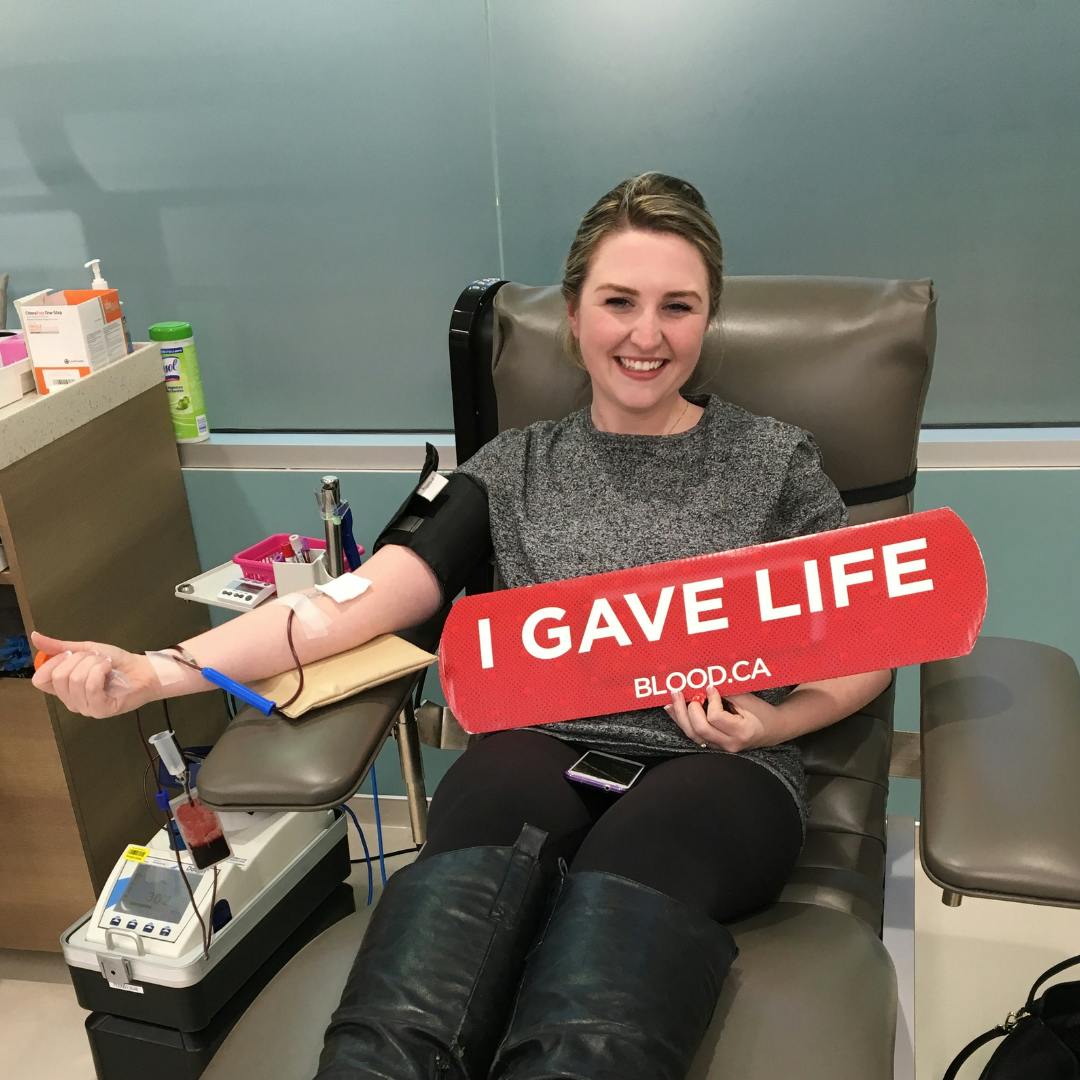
pixel 882 595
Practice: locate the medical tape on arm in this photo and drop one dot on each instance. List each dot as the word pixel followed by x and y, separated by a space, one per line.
pixel 168 671
pixel 316 623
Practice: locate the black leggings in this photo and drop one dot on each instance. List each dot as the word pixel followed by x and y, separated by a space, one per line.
pixel 716 831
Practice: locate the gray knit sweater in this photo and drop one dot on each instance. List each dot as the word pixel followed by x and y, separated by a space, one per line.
pixel 566 499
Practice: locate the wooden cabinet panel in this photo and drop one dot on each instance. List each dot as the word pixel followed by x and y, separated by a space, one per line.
pixel 97 528
pixel 46 885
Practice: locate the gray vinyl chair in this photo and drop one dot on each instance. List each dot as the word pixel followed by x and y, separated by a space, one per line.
pixel 813 992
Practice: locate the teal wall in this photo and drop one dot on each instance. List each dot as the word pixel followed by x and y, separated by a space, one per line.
pixel 311 186
pixel 1026 523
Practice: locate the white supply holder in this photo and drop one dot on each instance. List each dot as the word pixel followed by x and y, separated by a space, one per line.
pixel 295 577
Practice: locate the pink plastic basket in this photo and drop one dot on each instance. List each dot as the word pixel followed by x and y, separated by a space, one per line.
pixel 256 562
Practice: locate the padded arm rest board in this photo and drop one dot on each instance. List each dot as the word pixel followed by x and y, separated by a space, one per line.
pixel 269 763
pixel 1000 797
pixel 337 677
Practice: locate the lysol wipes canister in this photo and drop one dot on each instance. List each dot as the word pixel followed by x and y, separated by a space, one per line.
pixel 180 363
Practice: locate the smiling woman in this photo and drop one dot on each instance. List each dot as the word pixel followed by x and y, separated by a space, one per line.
pixel 642 283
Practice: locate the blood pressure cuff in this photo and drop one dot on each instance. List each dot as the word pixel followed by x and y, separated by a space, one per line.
pixel 445 521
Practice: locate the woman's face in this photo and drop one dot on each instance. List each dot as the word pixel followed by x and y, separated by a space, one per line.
pixel 640 322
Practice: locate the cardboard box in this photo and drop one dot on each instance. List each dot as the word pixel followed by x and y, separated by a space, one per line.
pixel 71 334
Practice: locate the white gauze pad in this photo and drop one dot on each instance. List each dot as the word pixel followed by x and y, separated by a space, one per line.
pixel 344 588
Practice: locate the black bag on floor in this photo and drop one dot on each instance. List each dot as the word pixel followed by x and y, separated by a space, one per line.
pixel 1042 1040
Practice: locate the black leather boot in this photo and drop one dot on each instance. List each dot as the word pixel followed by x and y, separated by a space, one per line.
pixel 622 986
pixel 435 976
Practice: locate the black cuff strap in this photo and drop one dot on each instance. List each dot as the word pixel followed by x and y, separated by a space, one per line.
pixel 451 533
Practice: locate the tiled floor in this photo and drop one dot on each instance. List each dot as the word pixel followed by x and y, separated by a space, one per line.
pixel 974 965
pixel 41 1025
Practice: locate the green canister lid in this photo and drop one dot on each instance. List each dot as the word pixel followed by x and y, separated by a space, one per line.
pixel 170 331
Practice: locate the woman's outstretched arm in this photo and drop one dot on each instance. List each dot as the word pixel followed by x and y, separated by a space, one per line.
pixel 98 680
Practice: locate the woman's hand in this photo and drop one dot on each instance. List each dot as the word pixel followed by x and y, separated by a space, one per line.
pixel 742 729
pixel 95 679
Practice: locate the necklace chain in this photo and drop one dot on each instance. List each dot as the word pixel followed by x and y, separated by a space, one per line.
pixel 674 424
pixel 678 419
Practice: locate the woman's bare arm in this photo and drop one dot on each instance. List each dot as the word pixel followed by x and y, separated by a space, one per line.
pixel 97 679
pixel 403 593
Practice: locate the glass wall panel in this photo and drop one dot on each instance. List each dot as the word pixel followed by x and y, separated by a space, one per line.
pixel 850 137
pixel 310 186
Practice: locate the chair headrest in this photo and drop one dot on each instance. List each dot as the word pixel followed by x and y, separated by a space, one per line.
pixel 848 359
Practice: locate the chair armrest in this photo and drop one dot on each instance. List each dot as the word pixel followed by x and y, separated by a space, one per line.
pixel 1000 797
pixel 273 763
pixel 314 762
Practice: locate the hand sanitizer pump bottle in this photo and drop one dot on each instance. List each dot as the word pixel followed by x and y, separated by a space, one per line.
pixel 98 282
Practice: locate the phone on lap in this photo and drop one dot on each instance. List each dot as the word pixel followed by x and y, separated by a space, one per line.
pixel 615 774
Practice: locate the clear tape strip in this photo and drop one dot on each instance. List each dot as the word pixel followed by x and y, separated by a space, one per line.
pixel 168 672
pixel 313 620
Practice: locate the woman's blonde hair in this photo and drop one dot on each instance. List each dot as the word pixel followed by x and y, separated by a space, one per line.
pixel 651 201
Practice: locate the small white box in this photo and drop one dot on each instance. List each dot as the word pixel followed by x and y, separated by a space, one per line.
pixel 15 380
pixel 295 577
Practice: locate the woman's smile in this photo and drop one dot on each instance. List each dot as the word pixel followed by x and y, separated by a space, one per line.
pixel 637 367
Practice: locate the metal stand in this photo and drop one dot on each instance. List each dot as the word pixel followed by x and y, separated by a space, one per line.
pixel 412 770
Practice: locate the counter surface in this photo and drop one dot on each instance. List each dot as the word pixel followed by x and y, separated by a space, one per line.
pixel 38 419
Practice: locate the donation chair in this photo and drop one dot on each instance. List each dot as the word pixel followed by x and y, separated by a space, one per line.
pixel 813 992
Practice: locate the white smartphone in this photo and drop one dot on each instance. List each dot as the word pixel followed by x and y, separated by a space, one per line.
pixel 605 771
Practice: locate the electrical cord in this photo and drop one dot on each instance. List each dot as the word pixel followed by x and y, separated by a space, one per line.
pixel 363 843
pixel 176 850
pixel 187 884
pixel 153 810
pixel 213 899
pixel 390 854
pixel 378 823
